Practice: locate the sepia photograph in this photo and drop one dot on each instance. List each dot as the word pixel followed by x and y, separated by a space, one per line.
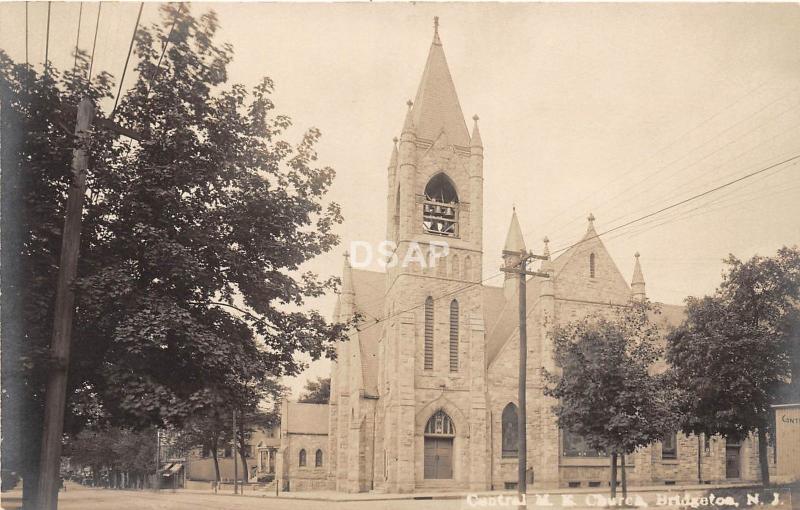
pixel 399 255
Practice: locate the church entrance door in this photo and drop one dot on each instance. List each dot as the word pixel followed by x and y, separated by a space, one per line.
pixel 438 457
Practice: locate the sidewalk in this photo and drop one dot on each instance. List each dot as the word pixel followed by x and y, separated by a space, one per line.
pixel 646 492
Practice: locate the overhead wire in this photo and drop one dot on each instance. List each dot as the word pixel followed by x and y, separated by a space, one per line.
pixel 94 42
pixel 659 170
pixel 47 42
pixel 78 37
pixel 127 60
pixel 363 326
pixel 663 148
pixel 163 50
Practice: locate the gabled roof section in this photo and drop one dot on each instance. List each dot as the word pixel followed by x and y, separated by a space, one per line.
pixel 305 418
pixel 370 290
pixel 508 320
pixel 436 107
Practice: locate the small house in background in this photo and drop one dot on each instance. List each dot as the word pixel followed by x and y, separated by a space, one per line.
pixel 260 454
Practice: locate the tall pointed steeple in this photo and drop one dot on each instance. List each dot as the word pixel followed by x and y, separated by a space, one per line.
pixel 637 282
pixel 436 107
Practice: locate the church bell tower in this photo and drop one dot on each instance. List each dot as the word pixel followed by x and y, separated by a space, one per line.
pixel 433 357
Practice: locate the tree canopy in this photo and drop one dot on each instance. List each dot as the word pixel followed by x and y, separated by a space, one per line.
pixel 317 391
pixel 736 352
pixel 189 292
pixel 605 389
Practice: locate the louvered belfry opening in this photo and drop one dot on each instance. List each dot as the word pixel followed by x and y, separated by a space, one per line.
pixel 454 336
pixel 429 333
pixel 440 210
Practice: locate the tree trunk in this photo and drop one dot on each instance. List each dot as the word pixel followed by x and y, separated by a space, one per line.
pixel 241 449
pixel 763 456
pixel 624 480
pixel 614 475
pixel 214 444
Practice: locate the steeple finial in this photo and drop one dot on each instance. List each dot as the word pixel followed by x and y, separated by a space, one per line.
pixel 637 282
pixel 436 31
pixel 546 251
pixel 408 125
pixel 590 229
pixel 475 139
pixel 393 159
pixel 347 275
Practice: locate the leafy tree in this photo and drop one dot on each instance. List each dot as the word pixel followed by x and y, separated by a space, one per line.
pixel 733 355
pixel 127 455
pixel 317 392
pixel 606 392
pixel 188 290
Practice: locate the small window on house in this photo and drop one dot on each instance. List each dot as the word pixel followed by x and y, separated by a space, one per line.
pixel 440 209
pixel 429 333
pixel 510 431
pixel 318 458
pixel 302 458
pixel 454 336
pixel 591 265
pixel 669 447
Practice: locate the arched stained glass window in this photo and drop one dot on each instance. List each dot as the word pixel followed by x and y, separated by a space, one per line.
pixel 302 459
pixel 510 431
pixel 440 425
pixel 429 333
pixel 454 336
pixel 318 458
pixel 591 265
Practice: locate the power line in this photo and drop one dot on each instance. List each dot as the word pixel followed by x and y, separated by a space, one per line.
pixel 78 37
pixel 365 326
pixel 721 165
pixel 94 42
pixel 163 50
pixel 127 59
pixel 664 148
pixel 684 201
pixel 26 35
pixel 701 145
pixel 47 41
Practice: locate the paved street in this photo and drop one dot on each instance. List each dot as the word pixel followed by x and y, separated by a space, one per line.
pixel 78 497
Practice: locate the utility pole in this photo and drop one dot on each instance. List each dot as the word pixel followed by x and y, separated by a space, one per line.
pixel 56 392
pixel 156 479
pixel 521 270
pixel 235 462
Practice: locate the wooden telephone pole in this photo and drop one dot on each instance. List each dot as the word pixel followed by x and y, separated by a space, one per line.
pixel 55 396
pixel 521 269
pixel 46 497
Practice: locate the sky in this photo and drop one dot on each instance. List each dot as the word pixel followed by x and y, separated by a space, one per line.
pixel 618 110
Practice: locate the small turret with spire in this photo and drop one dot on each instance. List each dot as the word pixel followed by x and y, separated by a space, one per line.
pixel 637 282
pixel 546 284
pixel 514 243
pixel 347 294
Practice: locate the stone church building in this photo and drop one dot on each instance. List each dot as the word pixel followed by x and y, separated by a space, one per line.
pixel 426 399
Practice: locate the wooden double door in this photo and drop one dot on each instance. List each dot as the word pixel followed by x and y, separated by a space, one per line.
pixel 438 458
